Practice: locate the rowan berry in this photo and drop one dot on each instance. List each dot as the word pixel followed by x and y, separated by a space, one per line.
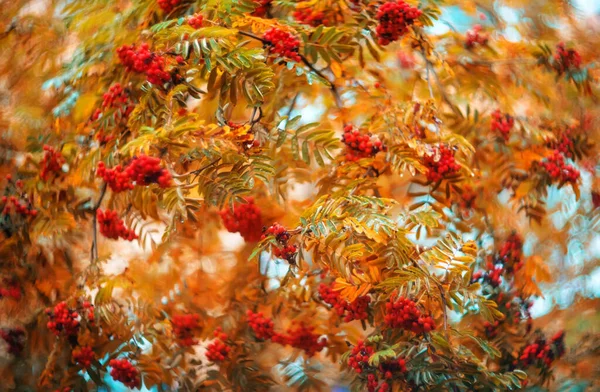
pixel 10 290
pixel 218 350
pixel 117 179
pixel 404 313
pixel 558 170
pixel 311 17
pixel 405 60
pixel 112 227
pixel 244 218
pixel 303 338
pixel 440 163
pixel 63 320
pixel 262 326
pixel 195 20
pixel 566 59
pixel 359 357
pixel 355 310
pixel 184 326
pixel 502 124
pixel 52 163
pixel 475 37
pixel 283 44
pixel 511 252
pixel 145 170
pixel 286 252
pixel 142 60
pixel 123 371
pixel 467 198
pixel 263 8
pixel 83 356
pixel 168 5
pixel 394 19
pixel 359 145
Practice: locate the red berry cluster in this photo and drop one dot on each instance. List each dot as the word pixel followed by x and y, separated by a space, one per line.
pixel 542 352
pixel 558 170
pixel 355 310
pixel 511 252
pixel 90 311
pixel 244 218
pixel 10 290
pixel 196 21
pixel 405 60
pixel 359 362
pixel 311 17
pixel 263 8
pixel 262 326
pixel 394 19
pixel 494 275
pixel 440 163
pixel 117 179
pixel 168 5
pixel 475 37
pixel 142 60
pixel 491 329
pixel 563 144
pixel 404 313
pixel 218 351
pixel 123 371
pixel 83 356
pixel 467 198
pixel 145 170
pixel 184 326
pixel 302 337
pixel 117 97
pixel 14 338
pixel 283 44
pixel 284 250
pixel 502 123
pixel 566 59
pixel 359 357
pixel 10 202
pixel 63 319
pixel 359 145
pixel 112 227
pixel 51 163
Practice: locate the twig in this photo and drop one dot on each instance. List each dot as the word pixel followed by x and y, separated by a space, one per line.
pixel 332 87
pixel 256 37
pixel 94 249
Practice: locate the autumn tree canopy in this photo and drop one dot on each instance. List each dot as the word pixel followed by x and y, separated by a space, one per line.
pixel 258 195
